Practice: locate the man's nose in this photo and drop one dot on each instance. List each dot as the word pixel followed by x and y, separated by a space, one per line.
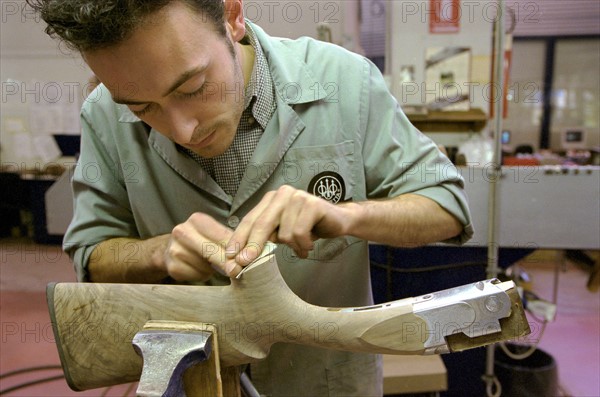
pixel 181 124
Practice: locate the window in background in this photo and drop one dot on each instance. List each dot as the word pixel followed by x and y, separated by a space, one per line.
pixel 525 92
pixel 554 86
pixel 576 91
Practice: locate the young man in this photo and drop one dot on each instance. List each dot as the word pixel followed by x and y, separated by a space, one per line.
pixel 209 138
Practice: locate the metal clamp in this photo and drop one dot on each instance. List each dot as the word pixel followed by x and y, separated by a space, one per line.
pixel 167 355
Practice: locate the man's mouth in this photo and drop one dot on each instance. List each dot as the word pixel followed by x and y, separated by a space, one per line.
pixel 204 142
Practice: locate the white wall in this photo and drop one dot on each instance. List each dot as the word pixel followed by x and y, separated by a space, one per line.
pixel 296 18
pixel 410 37
pixel 29 55
pixel 36 75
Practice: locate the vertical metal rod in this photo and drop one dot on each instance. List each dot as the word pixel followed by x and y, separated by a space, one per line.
pixel 492 268
pixel 498 72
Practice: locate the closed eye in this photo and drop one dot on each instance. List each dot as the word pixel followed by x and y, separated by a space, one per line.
pixel 194 94
pixel 183 95
pixel 141 112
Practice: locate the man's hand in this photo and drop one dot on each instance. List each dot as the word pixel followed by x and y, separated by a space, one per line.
pixel 289 216
pixel 197 248
pixel 191 252
pixel 297 218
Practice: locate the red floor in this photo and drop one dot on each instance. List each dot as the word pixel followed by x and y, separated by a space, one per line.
pixel 573 339
pixel 27 338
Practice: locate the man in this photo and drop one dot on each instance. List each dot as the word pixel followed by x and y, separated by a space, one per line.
pixel 209 138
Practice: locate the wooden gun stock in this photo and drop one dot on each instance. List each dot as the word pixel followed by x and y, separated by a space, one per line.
pixel 94 324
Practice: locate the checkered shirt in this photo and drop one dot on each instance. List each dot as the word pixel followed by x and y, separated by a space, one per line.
pixel 228 168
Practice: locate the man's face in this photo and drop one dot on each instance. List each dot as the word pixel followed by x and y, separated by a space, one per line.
pixel 179 76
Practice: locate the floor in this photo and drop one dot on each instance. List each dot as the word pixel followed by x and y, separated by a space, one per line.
pixel 573 338
pixel 27 337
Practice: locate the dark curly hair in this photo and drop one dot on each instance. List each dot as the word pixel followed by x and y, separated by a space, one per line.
pixel 92 24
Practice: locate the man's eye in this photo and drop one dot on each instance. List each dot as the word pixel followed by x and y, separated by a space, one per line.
pixel 141 112
pixel 194 94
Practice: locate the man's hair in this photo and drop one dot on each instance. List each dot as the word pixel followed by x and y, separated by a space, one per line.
pixel 93 24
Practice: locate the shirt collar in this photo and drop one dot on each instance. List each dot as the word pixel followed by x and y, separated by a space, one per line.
pixel 260 86
pixel 291 75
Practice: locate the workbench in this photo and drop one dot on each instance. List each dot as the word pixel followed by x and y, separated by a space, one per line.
pixel 413 374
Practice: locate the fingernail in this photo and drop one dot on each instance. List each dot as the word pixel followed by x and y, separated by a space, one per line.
pixel 245 257
pixel 220 270
pixel 232 269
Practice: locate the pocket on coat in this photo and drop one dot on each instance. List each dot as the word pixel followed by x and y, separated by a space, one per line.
pixel 326 171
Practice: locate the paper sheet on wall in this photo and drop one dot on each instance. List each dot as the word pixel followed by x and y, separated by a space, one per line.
pixel 447 74
pixel 21 146
pixel 54 118
pixel 46 148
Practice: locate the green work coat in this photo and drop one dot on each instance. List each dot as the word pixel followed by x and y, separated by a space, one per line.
pixel 337 132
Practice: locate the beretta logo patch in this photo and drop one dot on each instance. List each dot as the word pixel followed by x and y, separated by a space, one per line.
pixel 328 185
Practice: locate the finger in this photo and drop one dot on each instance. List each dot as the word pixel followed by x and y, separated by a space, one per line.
pixel 232 268
pixel 214 249
pixel 269 220
pixel 240 236
pixel 209 228
pixel 258 226
pixel 286 233
pixel 182 264
pixel 249 253
pixel 189 236
pixel 311 215
pixel 297 222
pixel 199 243
pixel 181 271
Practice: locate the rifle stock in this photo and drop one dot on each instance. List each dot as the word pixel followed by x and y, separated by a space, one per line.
pixel 94 324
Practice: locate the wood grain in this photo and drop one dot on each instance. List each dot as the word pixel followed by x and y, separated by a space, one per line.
pixel 94 324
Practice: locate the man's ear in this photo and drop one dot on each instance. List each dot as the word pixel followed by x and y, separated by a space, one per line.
pixel 234 18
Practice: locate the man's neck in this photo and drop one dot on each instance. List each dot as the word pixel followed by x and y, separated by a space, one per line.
pixel 247 53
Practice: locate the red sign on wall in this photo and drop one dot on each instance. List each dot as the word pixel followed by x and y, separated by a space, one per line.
pixel 444 16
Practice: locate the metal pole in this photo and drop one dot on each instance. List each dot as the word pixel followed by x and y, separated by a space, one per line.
pixel 495 167
pixel 496 171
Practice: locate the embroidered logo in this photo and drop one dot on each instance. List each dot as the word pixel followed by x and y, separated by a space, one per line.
pixel 329 186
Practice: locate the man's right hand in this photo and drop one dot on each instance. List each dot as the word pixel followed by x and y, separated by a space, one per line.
pixel 191 252
pixel 197 248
